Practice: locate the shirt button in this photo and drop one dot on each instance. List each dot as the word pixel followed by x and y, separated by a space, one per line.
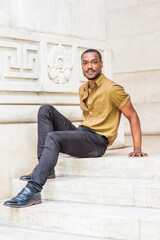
pixel 90 112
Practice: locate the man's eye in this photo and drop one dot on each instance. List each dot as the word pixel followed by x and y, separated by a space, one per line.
pixel 95 62
pixel 84 63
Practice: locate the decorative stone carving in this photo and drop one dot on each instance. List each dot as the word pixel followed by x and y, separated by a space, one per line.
pixel 18 60
pixel 59 65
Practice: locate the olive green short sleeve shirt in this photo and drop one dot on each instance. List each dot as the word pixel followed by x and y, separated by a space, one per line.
pixel 104 103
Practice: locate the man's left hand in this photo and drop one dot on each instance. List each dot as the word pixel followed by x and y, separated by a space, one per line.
pixel 137 153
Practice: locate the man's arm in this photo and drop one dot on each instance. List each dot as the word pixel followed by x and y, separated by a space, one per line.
pixel 130 113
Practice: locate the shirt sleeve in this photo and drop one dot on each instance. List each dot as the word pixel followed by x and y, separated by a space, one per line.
pixel 118 96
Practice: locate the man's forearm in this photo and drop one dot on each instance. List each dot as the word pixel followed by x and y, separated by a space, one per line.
pixel 130 113
pixel 136 131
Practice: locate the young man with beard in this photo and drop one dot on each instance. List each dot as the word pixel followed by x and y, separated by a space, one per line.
pixel 102 102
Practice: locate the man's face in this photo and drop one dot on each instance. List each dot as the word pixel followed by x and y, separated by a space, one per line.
pixel 91 65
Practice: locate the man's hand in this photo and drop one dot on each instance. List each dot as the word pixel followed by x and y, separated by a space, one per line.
pixel 137 153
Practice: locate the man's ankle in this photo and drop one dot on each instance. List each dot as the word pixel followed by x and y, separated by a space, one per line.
pixel 33 188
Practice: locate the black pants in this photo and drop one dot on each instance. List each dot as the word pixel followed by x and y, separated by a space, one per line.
pixel 57 134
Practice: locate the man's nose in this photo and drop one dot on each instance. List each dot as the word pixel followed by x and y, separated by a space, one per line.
pixel 89 65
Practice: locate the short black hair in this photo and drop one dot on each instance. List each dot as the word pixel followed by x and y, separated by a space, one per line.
pixel 93 50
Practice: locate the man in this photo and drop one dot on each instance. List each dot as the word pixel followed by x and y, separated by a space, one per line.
pixel 102 102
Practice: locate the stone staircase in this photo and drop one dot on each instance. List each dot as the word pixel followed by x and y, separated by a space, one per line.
pixel 112 197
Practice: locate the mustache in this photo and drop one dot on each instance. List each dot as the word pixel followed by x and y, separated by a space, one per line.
pixel 90 70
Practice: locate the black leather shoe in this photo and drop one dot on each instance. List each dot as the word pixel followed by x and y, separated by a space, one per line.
pixel 28 177
pixel 25 198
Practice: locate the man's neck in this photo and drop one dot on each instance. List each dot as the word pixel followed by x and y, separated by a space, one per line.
pixel 91 82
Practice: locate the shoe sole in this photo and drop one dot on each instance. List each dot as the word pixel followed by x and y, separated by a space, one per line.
pixel 50 177
pixel 22 206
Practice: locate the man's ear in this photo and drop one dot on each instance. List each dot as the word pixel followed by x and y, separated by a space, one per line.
pixel 101 64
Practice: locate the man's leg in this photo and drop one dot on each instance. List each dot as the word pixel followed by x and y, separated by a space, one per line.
pixel 49 119
pixel 78 143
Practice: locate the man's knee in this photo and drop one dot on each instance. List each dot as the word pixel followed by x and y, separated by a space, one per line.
pixel 53 137
pixel 45 110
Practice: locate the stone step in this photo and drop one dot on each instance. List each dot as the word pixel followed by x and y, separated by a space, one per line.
pixel 100 190
pixel 95 220
pixel 8 233
pixel 109 166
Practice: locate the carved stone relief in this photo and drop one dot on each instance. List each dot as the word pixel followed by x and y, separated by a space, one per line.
pixel 59 65
pixel 18 60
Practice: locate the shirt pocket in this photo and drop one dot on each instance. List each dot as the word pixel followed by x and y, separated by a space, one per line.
pixel 99 105
pixel 99 109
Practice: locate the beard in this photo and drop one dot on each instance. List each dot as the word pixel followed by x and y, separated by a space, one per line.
pixel 93 78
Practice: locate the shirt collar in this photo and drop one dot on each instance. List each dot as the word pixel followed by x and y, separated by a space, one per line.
pixel 97 82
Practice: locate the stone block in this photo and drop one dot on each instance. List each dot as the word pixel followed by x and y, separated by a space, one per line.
pixel 28 113
pixel 7 233
pixel 149 115
pixel 70 17
pixel 77 218
pixel 4 13
pixel 150 227
pixel 100 190
pixel 18 153
pixel 110 166
pixel 144 89
pixel 143 86
pixel 116 4
pixel 16 13
pixel 89 19
pixel 148 1
pixel 150 50
pixel 37 98
pixel 85 189
pixel 147 194
pixel 38 16
pixel 134 20
pixel 126 56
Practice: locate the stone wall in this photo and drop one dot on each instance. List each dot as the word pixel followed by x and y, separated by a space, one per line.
pixel 132 29
pixel 40 47
pixel 82 18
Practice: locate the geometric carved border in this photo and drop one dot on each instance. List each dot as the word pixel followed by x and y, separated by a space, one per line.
pixel 42 62
pixel 18 60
